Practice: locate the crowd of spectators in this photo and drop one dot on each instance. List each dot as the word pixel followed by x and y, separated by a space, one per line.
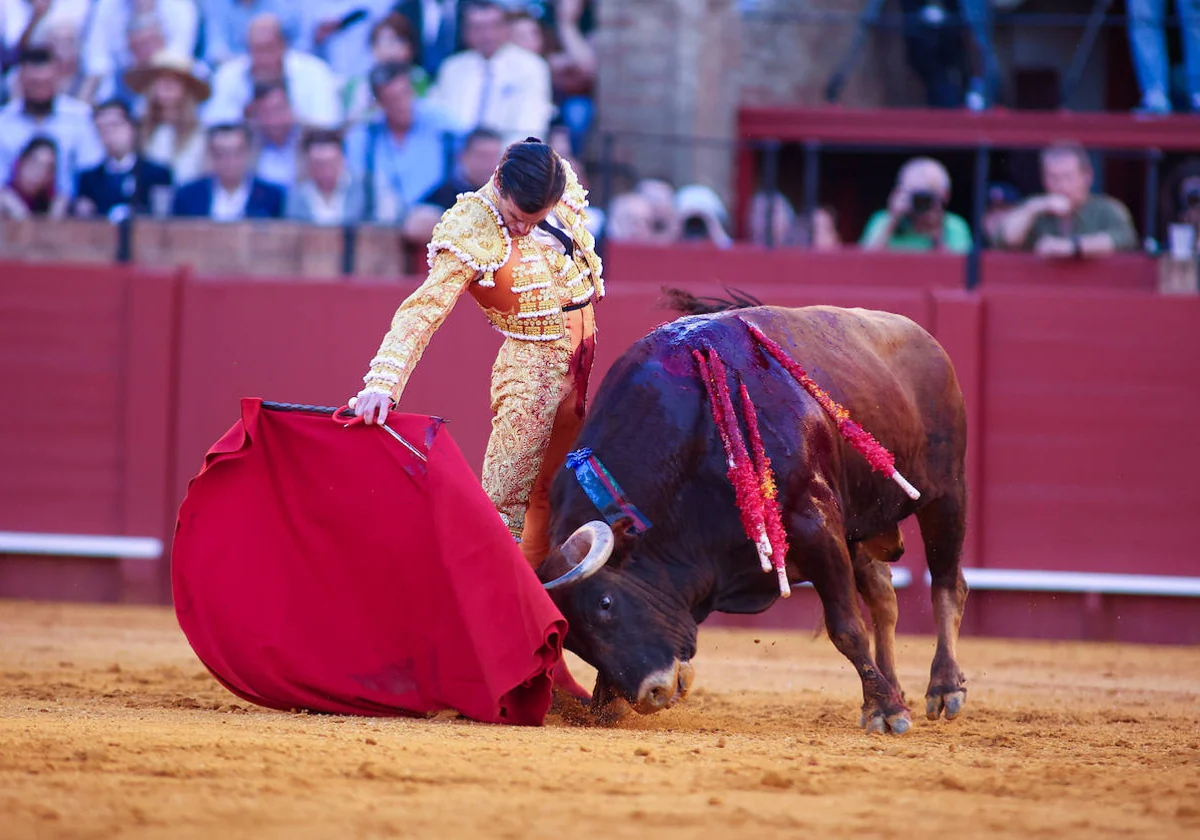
pixel 325 111
pixel 346 111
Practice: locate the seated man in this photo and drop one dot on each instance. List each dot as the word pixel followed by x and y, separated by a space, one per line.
pixel 916 218
pixel 477 161
pixel 330 195
pixel 231 193
pixel 124 180
pixel 1068 221
pixel 276 133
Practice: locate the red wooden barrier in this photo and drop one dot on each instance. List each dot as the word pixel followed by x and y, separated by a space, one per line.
pixel 1081 404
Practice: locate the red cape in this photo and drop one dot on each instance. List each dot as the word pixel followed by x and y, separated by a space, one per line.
pixel 327 568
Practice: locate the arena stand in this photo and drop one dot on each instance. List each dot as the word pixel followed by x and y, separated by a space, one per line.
pixel 1080 386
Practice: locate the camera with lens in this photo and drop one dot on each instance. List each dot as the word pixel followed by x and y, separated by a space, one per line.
pixel 922 201
pixel 695 228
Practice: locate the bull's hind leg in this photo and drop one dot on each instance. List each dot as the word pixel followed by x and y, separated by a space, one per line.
pixel 943 526
pixel 826 562
pixel 873 577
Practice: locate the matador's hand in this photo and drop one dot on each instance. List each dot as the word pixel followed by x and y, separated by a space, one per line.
pixel 371 406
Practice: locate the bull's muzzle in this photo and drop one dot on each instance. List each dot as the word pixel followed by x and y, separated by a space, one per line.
pixel 589 549
pixel 664 688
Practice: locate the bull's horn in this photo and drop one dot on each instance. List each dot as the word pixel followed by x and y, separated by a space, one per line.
pixel 596 539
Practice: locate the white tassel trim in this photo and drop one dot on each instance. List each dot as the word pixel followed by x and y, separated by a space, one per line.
pixel 541 313
pixel 528 258
pixel 374 389
pixel 446 245
pixel 541 284
pixel 389 378
pixel 581 298
pixel 388 362
pixel 521 337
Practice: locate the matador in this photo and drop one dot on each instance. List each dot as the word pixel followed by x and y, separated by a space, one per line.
pixel 537 290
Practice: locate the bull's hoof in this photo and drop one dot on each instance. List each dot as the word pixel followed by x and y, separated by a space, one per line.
pixel 948 701
pixel 895 724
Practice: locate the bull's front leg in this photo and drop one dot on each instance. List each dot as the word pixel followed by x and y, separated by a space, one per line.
pixel 825 560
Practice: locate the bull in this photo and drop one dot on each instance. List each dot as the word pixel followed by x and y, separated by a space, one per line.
pixel 634 599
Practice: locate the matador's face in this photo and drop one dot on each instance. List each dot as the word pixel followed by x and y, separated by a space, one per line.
pixel 518 222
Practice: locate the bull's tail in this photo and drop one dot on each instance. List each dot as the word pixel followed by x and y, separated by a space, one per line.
pixel 687 303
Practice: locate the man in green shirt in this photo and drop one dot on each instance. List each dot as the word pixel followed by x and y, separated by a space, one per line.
pixel 916 218
pixel 1068 220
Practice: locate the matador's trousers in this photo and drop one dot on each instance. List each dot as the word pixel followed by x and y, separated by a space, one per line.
pixel 539 397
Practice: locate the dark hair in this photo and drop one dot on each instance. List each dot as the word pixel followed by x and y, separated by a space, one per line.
pixel 228 128
pixel 266 88
pixel 531 175
pixel 1067 148
pixel 396 22
pixel 481 134
pixel 484 6
pixel 386 73
pixel 114 104
pixel 36 55
pixel 320 137
pixel 40 141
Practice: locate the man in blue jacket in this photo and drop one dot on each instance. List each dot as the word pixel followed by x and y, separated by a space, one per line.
pixel 231 192
pixel 124 180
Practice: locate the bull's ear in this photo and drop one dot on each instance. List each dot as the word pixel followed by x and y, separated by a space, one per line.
pixel 624 537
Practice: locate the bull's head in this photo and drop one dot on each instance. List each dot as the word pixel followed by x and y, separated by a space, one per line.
pixel 626 619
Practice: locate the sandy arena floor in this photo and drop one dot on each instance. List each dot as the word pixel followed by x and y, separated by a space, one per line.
pixel 109 727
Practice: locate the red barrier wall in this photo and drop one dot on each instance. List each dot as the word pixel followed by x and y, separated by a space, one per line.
pixel 1080 400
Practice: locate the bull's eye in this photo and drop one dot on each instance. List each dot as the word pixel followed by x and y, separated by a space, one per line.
pixel 606 603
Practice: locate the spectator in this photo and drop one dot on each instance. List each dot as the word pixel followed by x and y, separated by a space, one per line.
pixel 330 195
pixel 171 133
pixel 936 53
pixel 145 40
pixel 1179 201
pixel 572 70
pixel 438 25
pixel 630 219
pixel 276 134
pixel 338 32
pixel 820 230
pixel 480 155
pixel 916 218
pixel 664 223
pixel 31 188
pixel 526 32
pixel 43 110
pixel 404 149
pixel 783 224
pixel 1068 221
pixel 106 45
pixel 494 84
pixel 25 23
pixel 124 180
pixel 231 192
pixel 391 40
pixel 1148 44
pixel 227 21
pixel 1001 198
pixel 311 82
pixel 702 216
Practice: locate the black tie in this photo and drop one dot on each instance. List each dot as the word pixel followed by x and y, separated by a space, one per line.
pixel 567 242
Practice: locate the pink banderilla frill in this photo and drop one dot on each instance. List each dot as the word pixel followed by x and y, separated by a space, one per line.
pixel 877 456
pixel 753 482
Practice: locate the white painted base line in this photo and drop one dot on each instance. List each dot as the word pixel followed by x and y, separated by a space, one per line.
pixel 80 545
pixel 1023 580
pixel 901 577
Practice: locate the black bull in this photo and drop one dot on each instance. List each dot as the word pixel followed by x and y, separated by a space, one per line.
pixel 634 615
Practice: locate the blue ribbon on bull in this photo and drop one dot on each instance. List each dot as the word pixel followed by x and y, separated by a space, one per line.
pixel 599 485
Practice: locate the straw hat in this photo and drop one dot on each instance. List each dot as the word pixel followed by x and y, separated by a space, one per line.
pixel 139 79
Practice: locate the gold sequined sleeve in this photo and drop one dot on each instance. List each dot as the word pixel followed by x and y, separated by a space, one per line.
pixel 414 324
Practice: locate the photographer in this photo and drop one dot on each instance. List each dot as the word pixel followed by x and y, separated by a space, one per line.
pixel 702 216
pixel 916 218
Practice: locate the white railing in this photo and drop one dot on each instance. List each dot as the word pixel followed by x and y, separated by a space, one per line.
pixel 80 545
